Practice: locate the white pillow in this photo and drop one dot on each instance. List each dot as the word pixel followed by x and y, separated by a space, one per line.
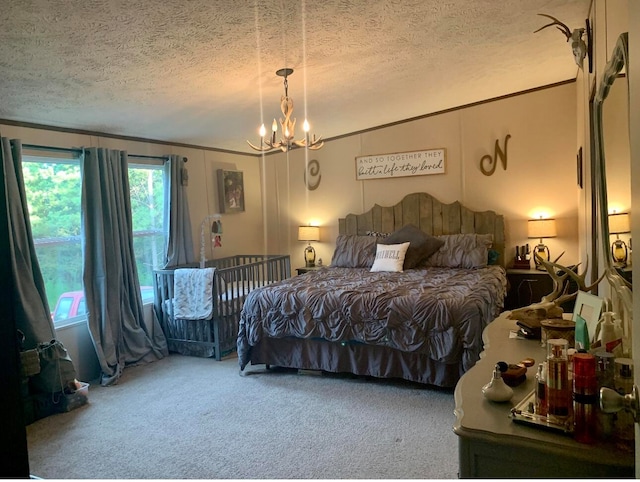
pixel 390 257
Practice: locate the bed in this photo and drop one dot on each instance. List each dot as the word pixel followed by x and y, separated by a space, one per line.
pixel 204 321
pixel 422 323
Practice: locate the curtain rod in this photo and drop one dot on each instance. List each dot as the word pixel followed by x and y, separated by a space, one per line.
pixel 79 151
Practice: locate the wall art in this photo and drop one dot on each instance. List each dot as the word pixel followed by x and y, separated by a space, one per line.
pixel 230 191
pixel 402 164
pixel 498 153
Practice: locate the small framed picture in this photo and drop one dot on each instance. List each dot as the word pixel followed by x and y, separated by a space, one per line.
pixel 230 191
pixel 588 307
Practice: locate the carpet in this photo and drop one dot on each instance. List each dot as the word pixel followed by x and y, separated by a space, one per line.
pixel 195 418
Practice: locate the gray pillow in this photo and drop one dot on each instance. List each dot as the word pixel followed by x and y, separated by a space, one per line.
pixel 462 251
pixel 422 244
pixel 354 251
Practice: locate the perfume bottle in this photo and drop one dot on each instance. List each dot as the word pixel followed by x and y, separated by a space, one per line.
pixel 585 398
pixel 541 390
pixel 558 388
pixel 497 390
pixel 623 383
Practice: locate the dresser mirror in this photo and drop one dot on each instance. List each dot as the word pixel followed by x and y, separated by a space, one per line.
pixel 612 178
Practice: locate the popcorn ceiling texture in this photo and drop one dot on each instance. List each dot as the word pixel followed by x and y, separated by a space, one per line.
pixel 202 72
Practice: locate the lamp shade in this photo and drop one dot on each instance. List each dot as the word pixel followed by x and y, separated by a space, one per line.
pixel 542 228
pixel 308 233
pixel 619 223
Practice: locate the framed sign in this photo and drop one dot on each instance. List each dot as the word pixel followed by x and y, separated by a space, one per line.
pixel 402 164
pixel 230 191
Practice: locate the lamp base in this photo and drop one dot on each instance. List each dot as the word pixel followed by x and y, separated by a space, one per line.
pixel 309 257
pixel 541 253
pixel 619 253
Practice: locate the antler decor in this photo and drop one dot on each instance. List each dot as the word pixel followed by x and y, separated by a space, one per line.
pixel 550 306
pixel 578 45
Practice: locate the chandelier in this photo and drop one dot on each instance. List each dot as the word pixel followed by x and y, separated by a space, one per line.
pixel 287 141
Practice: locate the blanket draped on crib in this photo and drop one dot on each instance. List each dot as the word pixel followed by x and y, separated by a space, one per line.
pixel 193 293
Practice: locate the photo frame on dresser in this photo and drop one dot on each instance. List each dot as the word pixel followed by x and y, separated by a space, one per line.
pixel 588 307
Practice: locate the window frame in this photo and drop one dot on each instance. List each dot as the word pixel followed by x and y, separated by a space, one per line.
pixel 72 156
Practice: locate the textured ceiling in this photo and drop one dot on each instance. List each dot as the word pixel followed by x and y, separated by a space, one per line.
pixel 202 72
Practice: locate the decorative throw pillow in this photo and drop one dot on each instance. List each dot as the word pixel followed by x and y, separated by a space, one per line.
pixel 493 258
pixel 422 245
pixel 377 234
pixel 390 257
pixel 354 251
pixel 462 251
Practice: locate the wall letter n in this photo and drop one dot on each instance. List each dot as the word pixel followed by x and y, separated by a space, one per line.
pixel 493 161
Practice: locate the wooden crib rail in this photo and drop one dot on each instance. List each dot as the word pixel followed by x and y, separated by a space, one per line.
pixel 234 278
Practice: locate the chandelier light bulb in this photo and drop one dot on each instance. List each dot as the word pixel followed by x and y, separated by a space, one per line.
pixel 305 126
pixel 263 130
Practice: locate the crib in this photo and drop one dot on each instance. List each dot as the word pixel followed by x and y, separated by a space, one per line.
pixel 234 277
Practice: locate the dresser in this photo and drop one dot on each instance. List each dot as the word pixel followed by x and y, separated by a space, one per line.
pixel 492 445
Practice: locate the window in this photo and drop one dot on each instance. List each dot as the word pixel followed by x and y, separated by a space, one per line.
pixel 53 188
pixel 146 182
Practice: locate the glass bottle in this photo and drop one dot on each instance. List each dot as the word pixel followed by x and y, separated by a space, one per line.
pixel 623 383
pixel 541 389
pixel 558 387
pixel 585 398
pixel 605 374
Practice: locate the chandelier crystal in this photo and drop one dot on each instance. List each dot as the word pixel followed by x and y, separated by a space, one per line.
pixel 287 124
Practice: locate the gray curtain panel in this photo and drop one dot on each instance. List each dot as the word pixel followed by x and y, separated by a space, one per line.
pixel 179 248
pixel 31 306
pixel 110 276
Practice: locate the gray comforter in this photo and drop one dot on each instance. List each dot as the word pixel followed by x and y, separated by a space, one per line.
pixel 438 311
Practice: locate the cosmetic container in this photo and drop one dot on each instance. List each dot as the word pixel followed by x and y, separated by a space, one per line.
pixel 559 389
pixel 623 383
pixel 585 398
pixel 541 389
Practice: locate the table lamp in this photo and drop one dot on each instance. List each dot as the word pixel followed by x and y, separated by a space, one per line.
pixel 619 223
pixel 309 233
pixel 541 228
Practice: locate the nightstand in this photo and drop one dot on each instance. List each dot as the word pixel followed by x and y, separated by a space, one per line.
pixel 526 286
pixel 304 270
pixel 626 273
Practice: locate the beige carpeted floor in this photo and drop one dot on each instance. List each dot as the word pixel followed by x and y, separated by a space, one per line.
pixel 186 417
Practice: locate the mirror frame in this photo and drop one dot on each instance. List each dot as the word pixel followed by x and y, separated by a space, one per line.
pixel 622 298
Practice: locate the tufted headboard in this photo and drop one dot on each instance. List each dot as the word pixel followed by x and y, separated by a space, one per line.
pixel 431 216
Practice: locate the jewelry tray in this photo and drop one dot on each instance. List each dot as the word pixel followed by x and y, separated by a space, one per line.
pixel 524 412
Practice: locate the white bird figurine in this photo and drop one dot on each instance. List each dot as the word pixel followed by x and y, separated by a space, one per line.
pixel 578 45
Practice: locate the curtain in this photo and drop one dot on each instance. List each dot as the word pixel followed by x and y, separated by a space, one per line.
pixel 110 276
pixel 179 247
pixel 31 307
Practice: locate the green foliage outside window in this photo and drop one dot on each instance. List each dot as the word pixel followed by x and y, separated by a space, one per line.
pixel 54 200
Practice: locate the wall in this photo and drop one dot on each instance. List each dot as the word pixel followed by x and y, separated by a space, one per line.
pixel 540 176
